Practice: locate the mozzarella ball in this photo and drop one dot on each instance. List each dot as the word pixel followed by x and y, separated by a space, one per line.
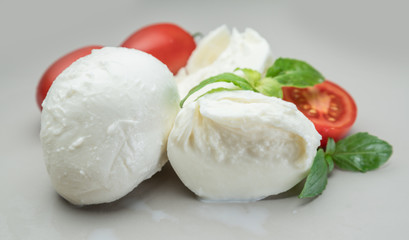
pixel 105 123
pixel 241 146
pixel 223 50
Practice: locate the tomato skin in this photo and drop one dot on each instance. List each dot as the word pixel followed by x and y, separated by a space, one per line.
pixel 331 109
pixel 168 42
pixel 56 68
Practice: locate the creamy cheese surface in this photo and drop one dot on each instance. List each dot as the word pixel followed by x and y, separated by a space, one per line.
pixel 241 146
pixel 223 51
pixel 105 123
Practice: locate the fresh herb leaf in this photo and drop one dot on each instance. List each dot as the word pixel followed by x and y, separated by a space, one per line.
pixel 220 89
pixel 284 72
pixel 330 148
pixel 224 77
pixel 358 152
pixel 270 87
pixel 252 76
pixel 361 152
pixel 267 86
pixel 296 73
pixel 330 163
pixel 317 178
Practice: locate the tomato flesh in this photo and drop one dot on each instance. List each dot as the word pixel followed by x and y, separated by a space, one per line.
pixel 168 42
pixel 331 109
pixel 56 68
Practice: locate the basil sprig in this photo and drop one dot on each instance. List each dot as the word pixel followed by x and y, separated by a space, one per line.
pixel 317 179
pixel 238 81
pixel 284 72
pixel 360 152
pixel 292 72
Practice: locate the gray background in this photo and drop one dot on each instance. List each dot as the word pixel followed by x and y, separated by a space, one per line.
pixel 361 45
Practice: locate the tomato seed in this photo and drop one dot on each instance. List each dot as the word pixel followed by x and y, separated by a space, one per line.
pixel 296 96
pixel 333 114
pixel 334 107
pixel 306 106
pixel 313 112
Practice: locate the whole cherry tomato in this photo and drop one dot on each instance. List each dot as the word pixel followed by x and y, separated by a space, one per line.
pixel 332 110
pixel 56 68
pixel 166 41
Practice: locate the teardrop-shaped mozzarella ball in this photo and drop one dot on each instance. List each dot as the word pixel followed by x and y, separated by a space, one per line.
pixel 241 146
pixel 223 50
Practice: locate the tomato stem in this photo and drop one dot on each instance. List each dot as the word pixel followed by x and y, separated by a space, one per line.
pixel 197 35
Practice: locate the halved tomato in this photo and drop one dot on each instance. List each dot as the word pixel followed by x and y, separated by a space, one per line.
pixel 332 110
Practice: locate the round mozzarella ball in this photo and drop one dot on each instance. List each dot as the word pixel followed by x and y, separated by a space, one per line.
pixel 105 123
pixel 241 146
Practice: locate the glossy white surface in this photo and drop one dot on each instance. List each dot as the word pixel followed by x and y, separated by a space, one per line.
pixel 361 45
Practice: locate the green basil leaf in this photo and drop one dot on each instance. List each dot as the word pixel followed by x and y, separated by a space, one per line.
pixel 329 151
pixel 252 76
pixel 296 73
pixel 270 87
pixel 240 82
pixel 330 148
pixel 330 163
pixel 361 152
pixel 220 89
pixel 317 178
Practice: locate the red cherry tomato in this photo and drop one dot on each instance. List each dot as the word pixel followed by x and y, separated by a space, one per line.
pixel 56 68
pixel 332 110
pixel 167 42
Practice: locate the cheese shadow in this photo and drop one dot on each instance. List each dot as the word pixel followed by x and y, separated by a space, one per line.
pixel 164 181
